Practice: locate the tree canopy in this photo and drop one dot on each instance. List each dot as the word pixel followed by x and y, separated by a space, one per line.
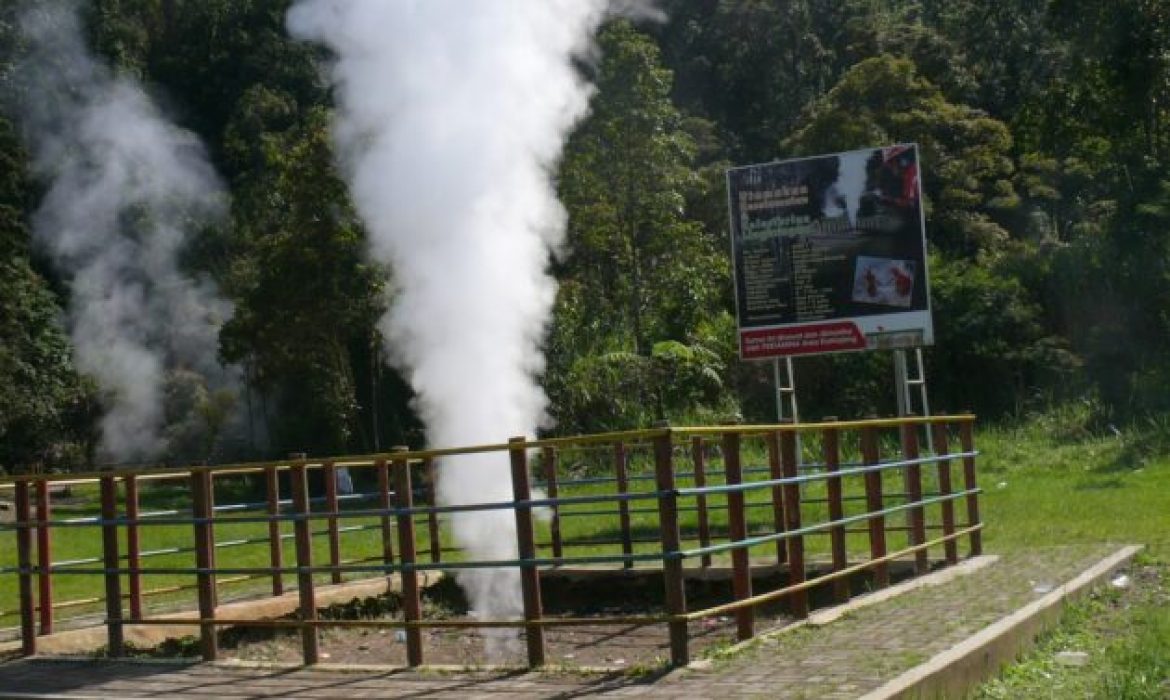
pixel 1044 131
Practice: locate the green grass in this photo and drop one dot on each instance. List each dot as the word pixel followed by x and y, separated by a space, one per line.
pixel 1126 634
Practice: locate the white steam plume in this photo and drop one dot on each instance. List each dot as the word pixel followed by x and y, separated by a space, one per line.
pixel 126 188
pixel 850 185
pixel 452 116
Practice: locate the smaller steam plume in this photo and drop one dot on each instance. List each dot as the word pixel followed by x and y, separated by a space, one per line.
pixel 125 191
pixel 849 187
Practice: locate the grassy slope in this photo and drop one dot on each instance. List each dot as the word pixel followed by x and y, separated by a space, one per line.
pixel 1049 483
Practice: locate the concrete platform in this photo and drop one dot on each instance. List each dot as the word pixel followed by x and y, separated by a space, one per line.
pixel 934 636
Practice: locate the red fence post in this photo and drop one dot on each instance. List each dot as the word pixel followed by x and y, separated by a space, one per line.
pixel 526 548
pixel 917 534
pixel 411 605
pixel 110 561
pixel 433 517
pixel 549 458
pixel 772 440
pixel 796 572
pixel 950 546
pixel 672 570
pixel 831 447
pixel 44 557
pixel 967 440
pixel 303 536
pixel 741 581
pixel 28 613
pixel 623 486
pixel 133 546
pixel 699 460
pixel 873 504
pixel 332 507
pixel 275 542
pixel 383 471
pixel 204 543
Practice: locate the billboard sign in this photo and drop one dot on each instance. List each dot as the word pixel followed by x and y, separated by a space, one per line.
pixel 830 254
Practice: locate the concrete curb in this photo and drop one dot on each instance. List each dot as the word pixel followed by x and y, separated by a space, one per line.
pixel 955 671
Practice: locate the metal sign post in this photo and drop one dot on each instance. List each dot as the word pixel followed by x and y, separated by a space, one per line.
pixel 903 383
pixel 786 392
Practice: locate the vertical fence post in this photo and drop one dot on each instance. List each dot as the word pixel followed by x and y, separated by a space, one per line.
pixel 741 581
pixel 796 572
pixel 699 460
pixel 303 536
pixel 433 501
pixel 623 486
pixel 832 455
pixel 941 448
pixel 772 440
pixel 204 542
pixel 913 482
pixel 133 546
pixel 332 507
pixel 383 471
pixel 549 458
pixel 211 537
pixel 28 613
pixel 275 543
pixel 967 441
pixel 873 504
pixel 411 605
pixel 44 557
pixel 672 565
pixel 526 548
pixel 109 501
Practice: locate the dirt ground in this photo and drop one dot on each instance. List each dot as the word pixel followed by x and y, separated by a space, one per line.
pixel 617 646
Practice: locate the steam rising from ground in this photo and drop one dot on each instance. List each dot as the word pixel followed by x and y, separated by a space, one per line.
pixel 126 188
pixel 452 116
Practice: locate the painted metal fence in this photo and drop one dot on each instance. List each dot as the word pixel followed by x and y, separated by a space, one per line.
pixel 661 490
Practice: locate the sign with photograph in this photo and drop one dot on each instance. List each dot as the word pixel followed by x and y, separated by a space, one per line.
pixel 830 254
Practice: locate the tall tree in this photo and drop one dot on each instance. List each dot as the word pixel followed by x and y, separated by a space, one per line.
pixel 638 271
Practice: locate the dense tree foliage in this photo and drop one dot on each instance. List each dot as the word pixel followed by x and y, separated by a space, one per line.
pixel 1045 134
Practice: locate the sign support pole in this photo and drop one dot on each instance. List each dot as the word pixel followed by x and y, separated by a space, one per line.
pixel 786 392
pixel 903 383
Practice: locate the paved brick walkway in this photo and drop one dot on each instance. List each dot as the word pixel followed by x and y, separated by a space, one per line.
pixel 843 659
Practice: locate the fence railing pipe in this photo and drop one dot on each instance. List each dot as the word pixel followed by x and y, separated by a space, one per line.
pixel 28 622
pixel 332 507
pixel 549 461
pixel 526 548
pixel 830 447
pixel 432 476
pixel 776 472
pixel 383 471
pixel 699 464
pixel 310 642
pixel 44 558
pixel 741 581
pixel 623 486
pixel 917 514
pixel 950 547
pixel 967 442
pixel 275 540
pixel 411 604
pixel 676 601
pixel 133 544
pixel 205 579
pixel 792 523
pixel 109 511
pixel 874 504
